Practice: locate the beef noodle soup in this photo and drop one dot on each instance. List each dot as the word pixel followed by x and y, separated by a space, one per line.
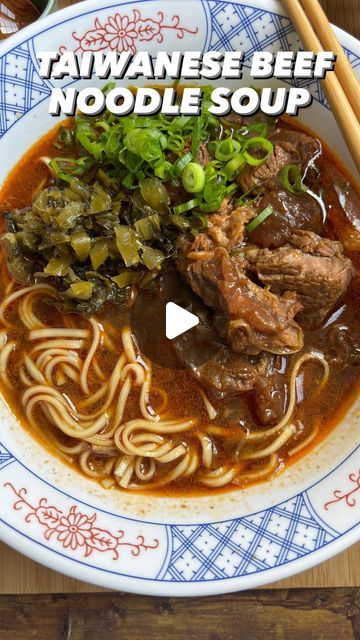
pixel 257 222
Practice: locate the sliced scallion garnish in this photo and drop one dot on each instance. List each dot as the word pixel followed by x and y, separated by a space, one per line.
pixel 259 219
pixel 257 143
pixel 193 177
pixel 226 149
pixel 186 206
pixel 230 190
pixel 290 177
pixel 234 166
pixel 180 164
pixel 196 136
pixel 175 142
pixel 164 171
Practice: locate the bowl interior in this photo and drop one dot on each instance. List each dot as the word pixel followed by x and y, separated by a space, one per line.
pixel 24 127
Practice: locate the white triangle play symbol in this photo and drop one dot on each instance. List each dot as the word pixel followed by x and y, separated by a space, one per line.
pixel 178 320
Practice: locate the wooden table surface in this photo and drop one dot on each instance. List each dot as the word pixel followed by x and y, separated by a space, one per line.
pixel 320 603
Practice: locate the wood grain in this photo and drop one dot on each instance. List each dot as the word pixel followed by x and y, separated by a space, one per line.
pixel 18 575
pixel 276 615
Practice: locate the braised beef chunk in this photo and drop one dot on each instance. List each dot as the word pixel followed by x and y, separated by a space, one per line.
pixel 290 147
pixel 307 147
pixel 344 212
pixel 226 228
pixel 210 360
pixel 343 345
pixel 272 312
pixel 251 318
pixel 227 373
pixel 289 212
pixel 262 286
pixel 255 177
pixel 313 267
pixel 234 118
pixel 269 394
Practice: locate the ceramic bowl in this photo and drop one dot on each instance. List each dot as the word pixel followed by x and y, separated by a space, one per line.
pixel 151 545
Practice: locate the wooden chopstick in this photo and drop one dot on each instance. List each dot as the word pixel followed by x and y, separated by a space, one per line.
pixel 329 41
pixel 341 108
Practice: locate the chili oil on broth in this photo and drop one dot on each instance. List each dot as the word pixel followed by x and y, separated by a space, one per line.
pixel 317 412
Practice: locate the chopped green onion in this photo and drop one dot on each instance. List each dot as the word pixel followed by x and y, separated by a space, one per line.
pixel 108 87
pixel 227 149
pixel 213 165
pixel 196 136
pixel 186 206
pixel 179 122
pixel 214 188
pixel 180 164
pixel 147 144
pixel 104 126
pixel 257 142
pixel 259 219
pixel 212 144
pixel 164 171
pixel 210 207
pixel 66 136
pixel 290 177
pixel 87 137
pixel 130 181
pixel 132 162
pixel 230 190
pixel 234 166
pixel 193 177
pixel 176 143
pixel 66 177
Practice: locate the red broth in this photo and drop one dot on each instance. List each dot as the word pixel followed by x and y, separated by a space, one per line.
pixel 325 411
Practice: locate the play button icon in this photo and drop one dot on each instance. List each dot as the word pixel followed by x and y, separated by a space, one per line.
pixel 172 326
pixel 178 320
